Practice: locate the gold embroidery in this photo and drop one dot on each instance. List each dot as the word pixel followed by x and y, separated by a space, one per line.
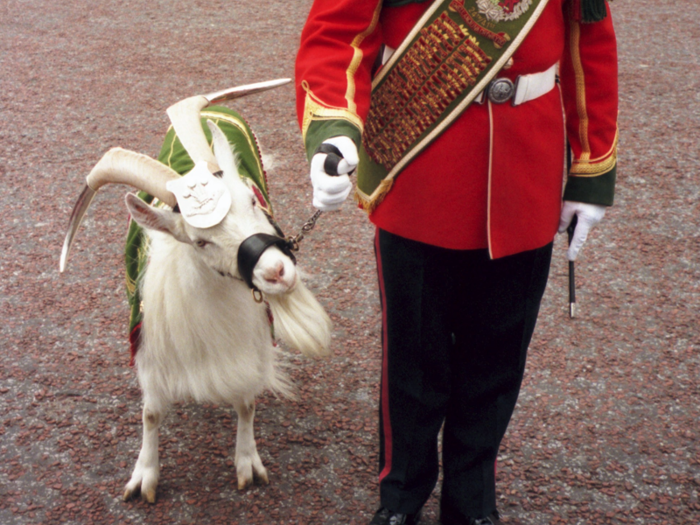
pixel 374 178
pixel 369 203
pixel 357 58
pixel 596 167
pixel 141 254
pixel 172 149
pixel 443 62
pixel 499 39
pixel 580 90
pixel 130 285
pixel 315 109
pixel 216 117
pixel 249 138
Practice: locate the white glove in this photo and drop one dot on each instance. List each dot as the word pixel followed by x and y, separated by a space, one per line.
pixel 588 216
pixel 330 173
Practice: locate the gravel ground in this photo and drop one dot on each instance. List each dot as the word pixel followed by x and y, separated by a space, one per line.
pixel 606 430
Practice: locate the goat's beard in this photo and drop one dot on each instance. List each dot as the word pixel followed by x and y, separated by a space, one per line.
pixel 301 322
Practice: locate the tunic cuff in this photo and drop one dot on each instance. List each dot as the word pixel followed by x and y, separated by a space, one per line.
pixel 321 130
pixel 592 190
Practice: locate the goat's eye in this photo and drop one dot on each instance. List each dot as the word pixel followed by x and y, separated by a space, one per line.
pixel 254 201
pixel 201 244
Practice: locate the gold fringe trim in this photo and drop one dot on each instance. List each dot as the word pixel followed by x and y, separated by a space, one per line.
pixel 131 284
pixel 316 109
pixel 370 202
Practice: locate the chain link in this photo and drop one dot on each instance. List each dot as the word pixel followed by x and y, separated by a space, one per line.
pixel 306 228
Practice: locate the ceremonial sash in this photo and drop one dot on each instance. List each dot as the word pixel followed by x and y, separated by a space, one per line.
pixel 174 155
pixel 448 58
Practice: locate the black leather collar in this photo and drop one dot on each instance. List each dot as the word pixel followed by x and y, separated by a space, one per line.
pixel 253 247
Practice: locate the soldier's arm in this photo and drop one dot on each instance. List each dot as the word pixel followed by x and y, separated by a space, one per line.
pixel 339 44
pixel 590 90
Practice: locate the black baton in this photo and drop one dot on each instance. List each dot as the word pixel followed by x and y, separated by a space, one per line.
pixel 572 275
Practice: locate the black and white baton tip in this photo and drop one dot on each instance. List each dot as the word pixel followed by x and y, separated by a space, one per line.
pixel 333 158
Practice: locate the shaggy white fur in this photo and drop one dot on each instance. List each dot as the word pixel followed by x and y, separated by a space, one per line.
pixel 204 338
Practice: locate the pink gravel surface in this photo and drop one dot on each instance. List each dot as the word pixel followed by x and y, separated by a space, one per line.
pixel 606 430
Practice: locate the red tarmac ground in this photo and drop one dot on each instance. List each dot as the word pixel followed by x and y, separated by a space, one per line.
pixel 606 431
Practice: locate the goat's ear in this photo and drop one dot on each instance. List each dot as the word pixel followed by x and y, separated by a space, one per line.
pixel 165 221
pixel 222 149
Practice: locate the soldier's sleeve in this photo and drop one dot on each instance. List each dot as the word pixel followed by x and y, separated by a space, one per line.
pixel 589 86
pixel 338 47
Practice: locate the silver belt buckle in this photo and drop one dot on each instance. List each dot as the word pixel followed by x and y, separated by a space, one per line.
pixel 501 90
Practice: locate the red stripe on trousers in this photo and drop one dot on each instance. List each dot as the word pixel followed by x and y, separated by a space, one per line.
pixel 386 422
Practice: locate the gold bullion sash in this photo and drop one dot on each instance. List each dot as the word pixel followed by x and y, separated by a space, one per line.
pixel 447 59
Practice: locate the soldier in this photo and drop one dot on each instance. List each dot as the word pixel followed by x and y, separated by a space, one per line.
pixel 457 116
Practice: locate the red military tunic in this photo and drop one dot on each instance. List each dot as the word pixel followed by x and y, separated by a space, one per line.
pixel 494 178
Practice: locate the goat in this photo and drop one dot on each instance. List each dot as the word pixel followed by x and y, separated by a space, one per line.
pixel 203 335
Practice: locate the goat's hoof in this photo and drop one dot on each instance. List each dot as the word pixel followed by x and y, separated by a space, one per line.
pixel 258 478
pixel 250 470
pixel 141 484
pixel 129 493
pixel 261 477
pixel 244 483
pixel 149 496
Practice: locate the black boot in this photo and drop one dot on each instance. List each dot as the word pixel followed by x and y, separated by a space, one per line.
pixel 451 519
pixel 385 516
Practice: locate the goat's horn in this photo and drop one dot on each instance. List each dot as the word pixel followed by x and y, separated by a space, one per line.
pixel 242 91
pixel 184 116
pixel 125 167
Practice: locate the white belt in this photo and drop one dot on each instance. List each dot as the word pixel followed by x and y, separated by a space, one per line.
pixel 500 90
pixel 524 89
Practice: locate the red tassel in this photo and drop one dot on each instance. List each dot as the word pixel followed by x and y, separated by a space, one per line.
pixel 134 343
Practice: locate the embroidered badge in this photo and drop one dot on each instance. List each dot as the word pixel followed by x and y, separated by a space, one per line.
pixel 204 199
pixel 503 10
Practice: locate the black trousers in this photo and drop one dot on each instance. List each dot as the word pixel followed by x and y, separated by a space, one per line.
pixel 456 327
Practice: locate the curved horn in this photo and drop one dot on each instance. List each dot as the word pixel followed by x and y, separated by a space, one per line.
pixel 185 115
pixel 242 91
pixel 124 167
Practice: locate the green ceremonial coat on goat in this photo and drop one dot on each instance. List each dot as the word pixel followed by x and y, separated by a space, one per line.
pixel 173 154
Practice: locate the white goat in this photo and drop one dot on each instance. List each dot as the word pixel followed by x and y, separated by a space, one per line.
pixel 204 336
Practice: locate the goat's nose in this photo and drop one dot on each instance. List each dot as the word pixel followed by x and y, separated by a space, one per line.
pixel 274 274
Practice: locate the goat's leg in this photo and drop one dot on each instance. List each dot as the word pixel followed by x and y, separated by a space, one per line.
pixel 249 467
pixel 144 479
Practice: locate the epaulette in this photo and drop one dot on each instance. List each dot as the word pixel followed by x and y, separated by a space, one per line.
pixel 589 11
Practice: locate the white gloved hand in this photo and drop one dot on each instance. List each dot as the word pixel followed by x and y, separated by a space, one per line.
pixel 330 173
pixel 588 216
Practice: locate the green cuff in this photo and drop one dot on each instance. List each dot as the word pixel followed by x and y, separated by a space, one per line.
pixel 321 130
pixel 592 190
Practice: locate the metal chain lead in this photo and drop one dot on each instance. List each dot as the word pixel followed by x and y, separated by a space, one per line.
pixel 306 228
